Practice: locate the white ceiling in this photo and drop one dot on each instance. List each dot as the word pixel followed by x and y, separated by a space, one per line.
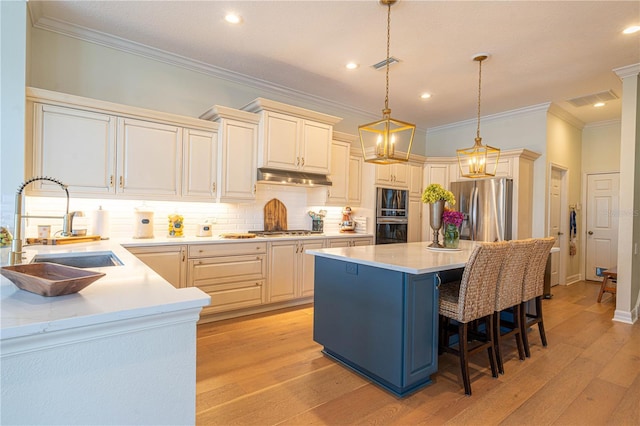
pixel 541 51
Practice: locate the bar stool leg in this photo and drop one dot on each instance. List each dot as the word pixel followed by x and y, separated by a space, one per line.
pixel 602 287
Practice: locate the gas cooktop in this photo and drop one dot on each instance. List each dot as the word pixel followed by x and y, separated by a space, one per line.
pixel 286 233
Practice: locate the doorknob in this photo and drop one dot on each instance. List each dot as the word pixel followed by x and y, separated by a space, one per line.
pixel 560 233
pixel 590 232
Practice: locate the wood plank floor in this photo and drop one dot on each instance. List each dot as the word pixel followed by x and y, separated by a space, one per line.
pixel 267 370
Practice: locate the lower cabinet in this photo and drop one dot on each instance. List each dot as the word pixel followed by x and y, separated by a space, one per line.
pixel 232 274
pixel 349 242
pixel 170 262
pixel 291 270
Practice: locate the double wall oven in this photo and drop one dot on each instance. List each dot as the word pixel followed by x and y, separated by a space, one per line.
pixel 392 215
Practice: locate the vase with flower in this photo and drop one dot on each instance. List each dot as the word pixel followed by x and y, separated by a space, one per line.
pixel 451 220
pixel 436 196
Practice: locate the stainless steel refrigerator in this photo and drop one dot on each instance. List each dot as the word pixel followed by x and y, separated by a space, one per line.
pixel 486 205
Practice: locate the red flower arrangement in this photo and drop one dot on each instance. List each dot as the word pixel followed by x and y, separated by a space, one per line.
pixel 452 217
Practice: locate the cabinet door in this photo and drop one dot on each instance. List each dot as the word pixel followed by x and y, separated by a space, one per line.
pixel 355 181
pixel 438 173
pixel 239 157
pixel 383 174
pixel 200 164
pixel 167 261
pixel 400 175
pixel 339 242
pixel 149 160
pixel 364 241
pixel 77 147
pixel 280 138
pixel 283 270
pixel 315 147
pixel 339 173
pixel 414 227
pixel 415 180
pixel 307 266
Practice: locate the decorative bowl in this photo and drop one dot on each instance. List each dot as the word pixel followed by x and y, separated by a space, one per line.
pixel 50 279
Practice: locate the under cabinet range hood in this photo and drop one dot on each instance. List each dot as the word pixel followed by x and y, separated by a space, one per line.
pixel 288 177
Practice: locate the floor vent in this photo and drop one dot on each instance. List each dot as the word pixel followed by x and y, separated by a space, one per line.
pixel 592 99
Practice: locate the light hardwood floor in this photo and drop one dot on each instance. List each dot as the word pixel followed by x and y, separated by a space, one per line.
pixel 267 370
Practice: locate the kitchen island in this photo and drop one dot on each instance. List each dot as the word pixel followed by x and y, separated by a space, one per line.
pixel 376 309
pixel 121 351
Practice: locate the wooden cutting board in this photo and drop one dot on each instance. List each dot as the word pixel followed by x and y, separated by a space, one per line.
pixel 238 235
pixel 63 240
pixel 275 216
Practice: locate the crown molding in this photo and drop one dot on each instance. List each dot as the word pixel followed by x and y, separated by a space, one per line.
pixel 501 115
pixel 564 115
pixel 604 123
pixel 627 71
pixel 113 42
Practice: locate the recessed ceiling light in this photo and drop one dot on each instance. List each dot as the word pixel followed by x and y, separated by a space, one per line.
pixel 425 96
pixel 632 29
pixel 352 66
pixel 233 18
pixel 598 104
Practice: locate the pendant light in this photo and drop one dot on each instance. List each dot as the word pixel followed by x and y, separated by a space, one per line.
pixel 384 141
pixel 480 160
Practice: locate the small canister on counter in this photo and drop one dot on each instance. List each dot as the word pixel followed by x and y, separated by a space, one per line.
pixel 176 225
pixel 143 223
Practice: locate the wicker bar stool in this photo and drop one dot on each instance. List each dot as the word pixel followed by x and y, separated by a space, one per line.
pixel 533 289
pixel 472 298
pixel 509 295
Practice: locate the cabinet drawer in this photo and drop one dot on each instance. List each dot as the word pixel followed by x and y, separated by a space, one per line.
pixel 227 269
pixel 237 295
pixel 226 249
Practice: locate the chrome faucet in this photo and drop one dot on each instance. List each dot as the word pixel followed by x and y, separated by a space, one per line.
pixel 16 245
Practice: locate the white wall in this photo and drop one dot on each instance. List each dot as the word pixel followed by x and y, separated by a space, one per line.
pixel 13 18
pixel 601 147
pixel 70 65
pixel 524 128
pixel 564 149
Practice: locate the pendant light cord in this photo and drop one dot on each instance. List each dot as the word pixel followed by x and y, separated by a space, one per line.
pixel 386 98
pixel 479 92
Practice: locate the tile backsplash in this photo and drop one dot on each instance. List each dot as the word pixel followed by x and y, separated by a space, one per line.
pixel 226 217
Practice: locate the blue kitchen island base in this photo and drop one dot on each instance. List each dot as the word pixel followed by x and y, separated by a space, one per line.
pixel 378 322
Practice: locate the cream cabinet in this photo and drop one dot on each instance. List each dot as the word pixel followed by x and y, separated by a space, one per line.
pixel 170 262
pixel 414 226
pixel 102 149
pixel 200 165
pixel 392 175
pixel 355 180
pixel 415 180
pixel 438 173
pixel 337 193
pixel 293 138
pixel 75 146
pixel 233 274
pixel 349 242
pixel 149 158
pixel 237 153
pixel 291 273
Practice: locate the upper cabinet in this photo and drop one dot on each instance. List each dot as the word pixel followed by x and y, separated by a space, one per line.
pixel 338 193
pixel 392 175
pixel 292 138
pixel 103 149
pixel 237 153
pixel 415 180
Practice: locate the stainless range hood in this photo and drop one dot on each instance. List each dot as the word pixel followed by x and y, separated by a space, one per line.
pixel 287 177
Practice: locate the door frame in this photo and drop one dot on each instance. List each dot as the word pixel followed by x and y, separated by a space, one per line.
pixel 583 219
pixel 564 213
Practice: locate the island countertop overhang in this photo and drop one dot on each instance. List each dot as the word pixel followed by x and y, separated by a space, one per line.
pixel 411 258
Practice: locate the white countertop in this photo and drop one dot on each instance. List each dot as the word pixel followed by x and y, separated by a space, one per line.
pixel 128 291
pixel 412 258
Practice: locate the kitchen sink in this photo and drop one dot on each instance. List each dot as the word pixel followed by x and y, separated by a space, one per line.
pixel 98 259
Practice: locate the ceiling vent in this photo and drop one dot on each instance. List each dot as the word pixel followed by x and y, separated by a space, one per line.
pixel 383 63
pixel 594 98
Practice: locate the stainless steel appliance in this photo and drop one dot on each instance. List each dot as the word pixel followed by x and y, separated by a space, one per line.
pixel 487 208
pixel 392 215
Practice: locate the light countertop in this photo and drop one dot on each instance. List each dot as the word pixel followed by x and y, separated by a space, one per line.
pixel 412 258
pixel 129 291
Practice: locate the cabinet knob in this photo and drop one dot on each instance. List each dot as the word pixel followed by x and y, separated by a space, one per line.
pixel 297 161
pixel 111 179
pixel 303 161
pixel 121 181
pixel 213 187
pixel 590 232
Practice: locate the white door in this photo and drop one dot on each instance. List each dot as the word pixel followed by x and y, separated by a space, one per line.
pixel 602 222
pixel 555 220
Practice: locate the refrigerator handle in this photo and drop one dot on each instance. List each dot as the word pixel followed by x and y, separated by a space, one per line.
pixel 473 212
